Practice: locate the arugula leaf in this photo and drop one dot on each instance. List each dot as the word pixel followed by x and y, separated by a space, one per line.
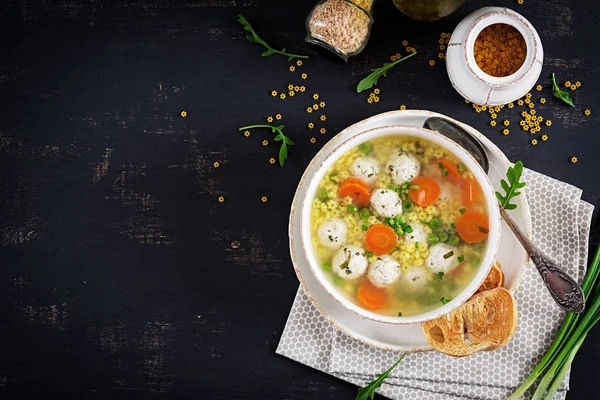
pixel 280 137
pixel 368 392
pixel 510 188
pixel 561 94
pixel 254 38
pixel 372 79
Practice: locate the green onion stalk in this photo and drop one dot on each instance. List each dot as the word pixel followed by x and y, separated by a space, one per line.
pixel 560 355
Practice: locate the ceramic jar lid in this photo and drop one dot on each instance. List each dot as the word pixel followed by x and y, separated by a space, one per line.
pixel 474 84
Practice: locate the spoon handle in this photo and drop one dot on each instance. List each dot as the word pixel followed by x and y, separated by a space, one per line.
pixel 564 290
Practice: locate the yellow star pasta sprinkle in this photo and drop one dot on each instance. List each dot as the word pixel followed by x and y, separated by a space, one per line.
pixel 323 131
pixel 290 87
pixel 492 123
pixel 528 95
pixel 505 131
pixel 544 137
pixel 315 107
pixel 221 199
pixel 538 88
pixel 431 63
pixel 269 119
pixel 311 125
pixel 520 102
pixel 282 96
pixel 510 105
pixel 527 101
pixel 274 93
pixel 216 164
pixel 568 84
pixel 264 199
pixel 272 160
pixel 313 140
pixel 440 55
pixel 376 99
pixel 548 122
pixel 309 110
pixel 493 115
pixel 520 1
pixel 531 105
pixel 497 108
pixel 278 116
pixel 442 47
pixel 405 43
pixel 323 117
pixel 522 123
pixel 543 100
pixel 322 104
pixel 467 101
pixel 183 114
pixel 292 68
pixel 370 100
pixel 534 141
pixel 291 93
pixel 265 142
pixel 573 159
pixel 506 122
pixel 304 76
pixel 316 96
pixel 526 127
pixel 532 112
pixel 296 88
pixel 246 133
pixel 299 63
pixel 376 91
pixel 302 88
pixel 483 108
pixel 403 107
pixel 587 112
pixel 577 84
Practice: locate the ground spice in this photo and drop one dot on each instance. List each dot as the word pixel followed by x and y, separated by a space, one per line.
pixel 500 50
pixel 342 24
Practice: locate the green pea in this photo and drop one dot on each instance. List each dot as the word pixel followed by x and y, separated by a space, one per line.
pixel 352 208
pixel 365 148
pixel 435 223
pixel 433 239
pixel 322 194
pixel 443 236
pixel 453 240
pixel 327 266
pixel 407 205
pixel 364 213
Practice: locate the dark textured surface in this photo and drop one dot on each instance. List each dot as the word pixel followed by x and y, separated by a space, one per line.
pixel 117 278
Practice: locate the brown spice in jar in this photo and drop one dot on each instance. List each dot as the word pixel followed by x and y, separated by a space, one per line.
pixel 340 24
pixel 500 50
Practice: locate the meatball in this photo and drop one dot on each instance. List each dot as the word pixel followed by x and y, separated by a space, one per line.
pixel 384 271
pixel 418 234
pixel 403 167
pixel 349 262
pixel 416 276
pixel 365 168
pixel 386 203
pixel 333 233
pixel 442 258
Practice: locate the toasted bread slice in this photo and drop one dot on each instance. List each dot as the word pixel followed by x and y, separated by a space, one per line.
pixel 485 322
pixel 494 279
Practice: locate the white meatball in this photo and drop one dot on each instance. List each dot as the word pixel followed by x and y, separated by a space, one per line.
pixel 416 276
pixel 384 271
pixel 333 233
pixel 365 168
pixel 442 258
pixel 386 203
pixel 349 262
pixel 418 234
pixel 403 167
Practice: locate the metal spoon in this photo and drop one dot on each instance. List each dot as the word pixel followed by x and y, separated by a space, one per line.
pixel 564 290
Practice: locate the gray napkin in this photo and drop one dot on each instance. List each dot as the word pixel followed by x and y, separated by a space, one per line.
pixel 561 224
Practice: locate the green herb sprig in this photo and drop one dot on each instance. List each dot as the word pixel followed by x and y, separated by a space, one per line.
pixel 510 188
pixel 555 363
pixel 372 79
pixel 254 38
pixel 280 137
pixel 561 94
pixel 368 392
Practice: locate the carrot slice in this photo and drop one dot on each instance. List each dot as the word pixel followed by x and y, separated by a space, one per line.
pixel 380 239
pixel 453 172
pixel 470 192
pixel 472 226
pixel 371 296
pixel 427 193
pixel 358 191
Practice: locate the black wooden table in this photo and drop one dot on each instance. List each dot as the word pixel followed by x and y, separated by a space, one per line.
pixel 118 278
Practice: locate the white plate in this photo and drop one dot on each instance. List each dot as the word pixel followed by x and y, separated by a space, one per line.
pixel 387 336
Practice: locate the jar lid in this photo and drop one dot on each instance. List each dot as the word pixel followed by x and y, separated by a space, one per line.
pixel 470 81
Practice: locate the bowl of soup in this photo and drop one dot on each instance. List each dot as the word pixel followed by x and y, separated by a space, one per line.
pixel 400 224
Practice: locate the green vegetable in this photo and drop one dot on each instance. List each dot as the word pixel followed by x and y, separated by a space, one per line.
pixel 352 208
pixel 461 168
pixel 369 254
pixel 416 245
pixel 365 148
pixel 510 188
pixel 372 79
pixel 254 38
pixel 327 266
pixel 443 236
pixel 433 239
pixel 453 226
pixel 365 226
pixel 453 240
pixel 569 338
pixel 280 137
pixel 364 213
pixel 561 94
pixel 407 205
pixel 322 194
pixel 440 275
pixel 407 228
pixel 368 392
pixel 461 258
pixel 435 223
pixel 463 210
pixel 446 300
pixel 399 314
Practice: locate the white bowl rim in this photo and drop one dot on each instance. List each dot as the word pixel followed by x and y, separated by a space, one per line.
pixel 472 165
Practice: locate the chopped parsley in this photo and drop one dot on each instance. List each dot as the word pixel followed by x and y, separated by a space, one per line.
pixel 440 275
pixel 463 210
pixel 416 245
pixel 461 168
pixel 446 300
pixel 369 254
pixel 461 258
pixel 453 226
pixel 399 314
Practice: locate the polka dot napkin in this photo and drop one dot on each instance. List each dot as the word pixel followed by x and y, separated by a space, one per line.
pixel 561 222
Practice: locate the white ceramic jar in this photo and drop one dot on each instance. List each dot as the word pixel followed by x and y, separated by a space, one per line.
pixel 474 84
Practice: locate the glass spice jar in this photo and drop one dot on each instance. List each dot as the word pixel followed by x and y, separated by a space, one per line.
pixel 428 10
pixel 339 28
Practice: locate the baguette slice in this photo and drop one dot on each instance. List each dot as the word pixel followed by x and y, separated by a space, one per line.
pixel 485 322
pixel 494 279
